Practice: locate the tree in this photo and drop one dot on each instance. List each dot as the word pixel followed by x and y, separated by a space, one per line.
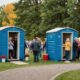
pixel 28 12
pixel 38 16
pixel 73 10
pixel 52 14
pixel 1 13
pixel 9 15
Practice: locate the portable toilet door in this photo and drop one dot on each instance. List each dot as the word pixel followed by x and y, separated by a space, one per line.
pixel 64 36
pixel 16 40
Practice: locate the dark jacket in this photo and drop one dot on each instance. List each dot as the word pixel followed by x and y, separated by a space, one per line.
pixel 75 45
pixel 35 45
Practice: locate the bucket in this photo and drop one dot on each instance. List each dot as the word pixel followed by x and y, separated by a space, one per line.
pixel 3 60
pixel 45 57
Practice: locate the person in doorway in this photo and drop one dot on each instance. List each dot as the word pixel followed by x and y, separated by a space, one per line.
pixel 35 48
pixel 15 47
pixel 11 48
pixel 75 49
pixel 67 47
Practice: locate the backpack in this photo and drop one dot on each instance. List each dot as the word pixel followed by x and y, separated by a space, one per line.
pixel 36 46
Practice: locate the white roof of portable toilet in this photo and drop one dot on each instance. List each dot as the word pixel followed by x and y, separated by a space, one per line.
pixel 54 30
pixel 58 29
pixel 2 28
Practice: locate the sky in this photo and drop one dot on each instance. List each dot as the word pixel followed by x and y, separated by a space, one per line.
pixel 4 2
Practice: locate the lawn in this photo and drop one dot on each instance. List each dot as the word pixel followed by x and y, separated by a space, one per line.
pixel 71 75
pixel 8 65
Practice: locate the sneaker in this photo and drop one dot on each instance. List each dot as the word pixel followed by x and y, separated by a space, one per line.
pixel 67 61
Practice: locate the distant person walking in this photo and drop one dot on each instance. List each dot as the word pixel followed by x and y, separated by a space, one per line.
pixel 35 48
pixel 67 47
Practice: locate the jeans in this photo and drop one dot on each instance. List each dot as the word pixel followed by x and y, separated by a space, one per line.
pixel 78 54
pixel 36 56
pixel 11 55
pixel 67 53
pixel 75 54
pixel 40 53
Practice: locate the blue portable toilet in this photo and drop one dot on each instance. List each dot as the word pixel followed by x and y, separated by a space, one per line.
pixel 15 33
pixel 55 39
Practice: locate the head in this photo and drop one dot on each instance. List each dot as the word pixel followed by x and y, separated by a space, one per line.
pixel 10 38
pixel 36 38
pixel 68 39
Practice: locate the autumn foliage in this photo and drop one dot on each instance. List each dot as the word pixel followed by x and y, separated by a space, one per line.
pixel 9 15
pixel 4 23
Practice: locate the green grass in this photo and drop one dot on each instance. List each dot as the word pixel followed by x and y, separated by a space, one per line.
pixel 42 62
pixel 72 75
pixel 8 65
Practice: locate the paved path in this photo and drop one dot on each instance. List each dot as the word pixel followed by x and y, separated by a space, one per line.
pixel 37 72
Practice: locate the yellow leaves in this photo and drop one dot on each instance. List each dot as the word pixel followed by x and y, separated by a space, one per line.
pixel 9 8
pixel 11 23
pixel 10 15
pixel 4 23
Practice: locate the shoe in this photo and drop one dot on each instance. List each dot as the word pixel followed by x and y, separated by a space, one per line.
pixel 67 61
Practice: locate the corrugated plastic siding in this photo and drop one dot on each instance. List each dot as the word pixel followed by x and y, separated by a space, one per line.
pixel 4 41
pixel 51 45
pixel 54 43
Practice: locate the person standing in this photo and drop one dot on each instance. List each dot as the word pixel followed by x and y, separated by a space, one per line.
pixel 41 47
pixel 11 48
pixel 67 47
pixel 15 47
pixel 35 48
pixel 75 49
pixel 26 49
pixel 78 49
